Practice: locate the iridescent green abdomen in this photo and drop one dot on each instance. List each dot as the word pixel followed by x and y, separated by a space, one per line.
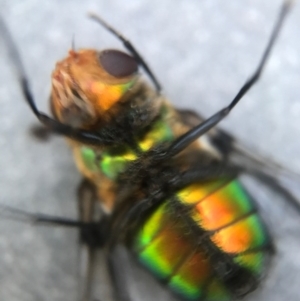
pixel 204 239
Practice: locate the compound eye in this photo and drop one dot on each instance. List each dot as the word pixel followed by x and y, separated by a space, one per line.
pixel 118 63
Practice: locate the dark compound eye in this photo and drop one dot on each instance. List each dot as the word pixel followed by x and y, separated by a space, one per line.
pixel 118 63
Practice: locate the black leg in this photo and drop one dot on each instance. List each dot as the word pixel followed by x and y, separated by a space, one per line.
pixel 96 226
pixel 90 212
pixel 182 142
pixel 86 198
pixel 43 219
pixel 128 45
pixel 210 173
pixel 93 232
pixel 260 167
pixel 86 256
pixel 90 241
pixel 119 269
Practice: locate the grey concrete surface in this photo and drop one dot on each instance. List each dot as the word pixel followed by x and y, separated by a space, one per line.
pixel 202 52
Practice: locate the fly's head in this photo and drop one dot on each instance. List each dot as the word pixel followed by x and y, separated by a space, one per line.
pixel 88 85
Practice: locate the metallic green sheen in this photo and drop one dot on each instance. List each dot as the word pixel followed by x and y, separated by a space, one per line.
pixel 152 247
pixel 112 164
pixel 89 158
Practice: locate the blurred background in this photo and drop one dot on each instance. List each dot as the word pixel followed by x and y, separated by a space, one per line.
pixel 202 51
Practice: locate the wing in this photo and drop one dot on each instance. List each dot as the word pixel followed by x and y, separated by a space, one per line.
pixel 279 178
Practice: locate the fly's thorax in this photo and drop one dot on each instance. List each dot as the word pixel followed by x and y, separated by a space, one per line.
pixel 103 164
pixel 111 160
pixel 91 89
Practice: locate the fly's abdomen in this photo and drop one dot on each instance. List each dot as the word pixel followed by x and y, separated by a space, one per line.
pixel 205 243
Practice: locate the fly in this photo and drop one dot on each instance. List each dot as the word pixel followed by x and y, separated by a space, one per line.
pixel 170 197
